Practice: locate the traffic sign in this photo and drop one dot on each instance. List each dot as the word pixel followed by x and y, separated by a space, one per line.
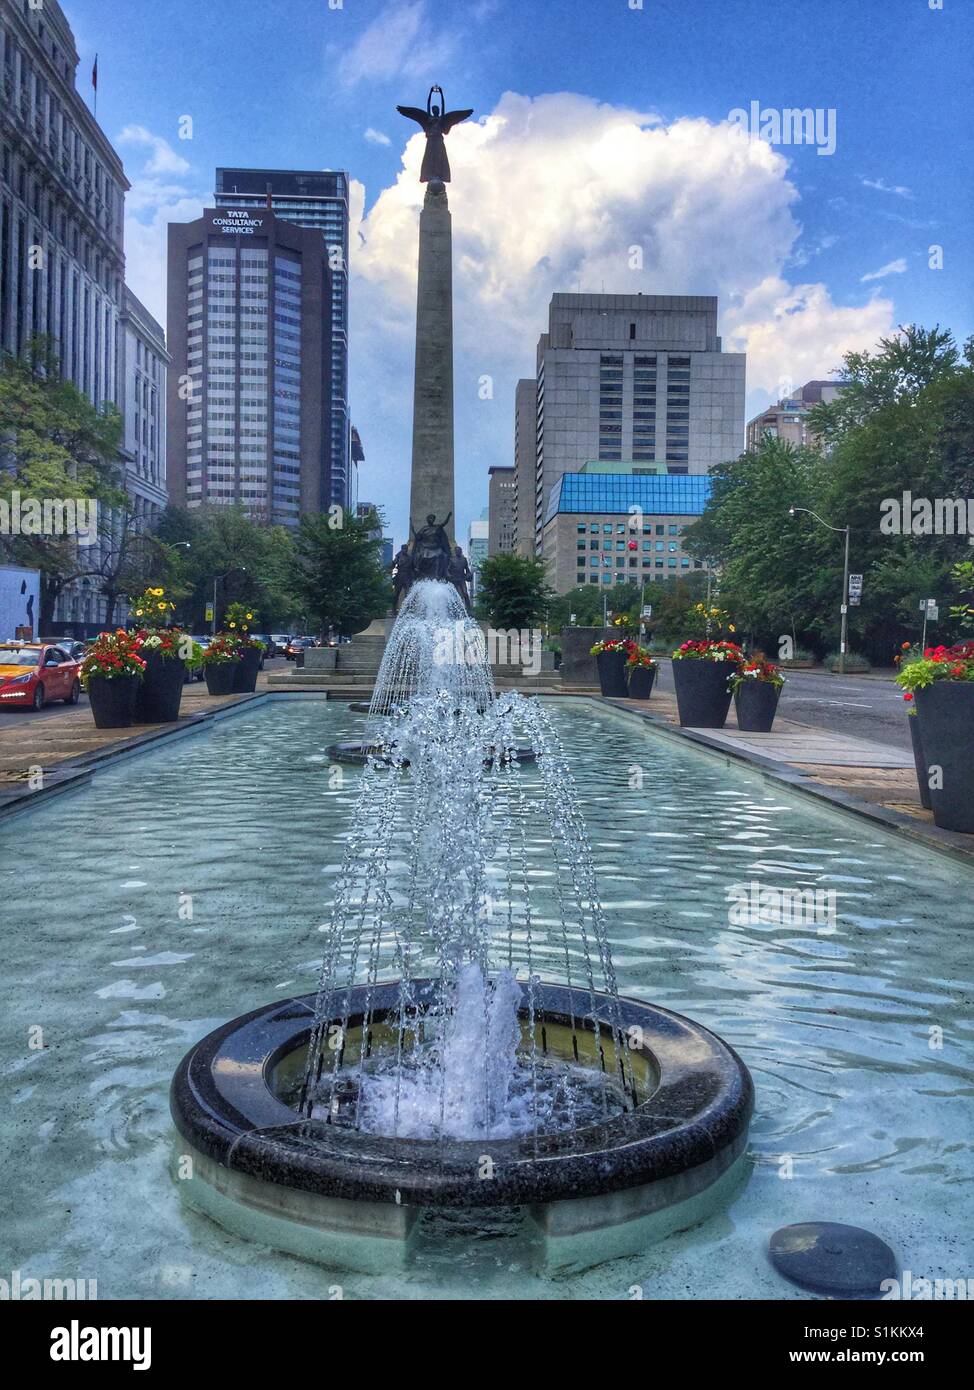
pixel 855 588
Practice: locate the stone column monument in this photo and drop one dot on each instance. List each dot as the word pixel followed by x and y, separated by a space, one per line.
pixel 431 488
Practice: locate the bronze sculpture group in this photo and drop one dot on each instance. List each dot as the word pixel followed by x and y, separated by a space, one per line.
pixel 430 556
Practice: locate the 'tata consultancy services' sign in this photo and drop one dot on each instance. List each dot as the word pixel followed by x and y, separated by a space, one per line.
pixel 236 221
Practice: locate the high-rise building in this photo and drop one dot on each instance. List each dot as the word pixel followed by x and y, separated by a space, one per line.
pixel 525 459
pixel 249 385
pixel 500 510
pixel 788 418
pixel 478 538
pixel 636 379
pixel 143 366
pixel 356 459
pixel 62 191
pixel 315 198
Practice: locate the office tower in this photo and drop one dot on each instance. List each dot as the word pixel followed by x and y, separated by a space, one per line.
pixel 500 510
pixel 633 379
pixel 525 450
pixel 249 386
pixel 315 198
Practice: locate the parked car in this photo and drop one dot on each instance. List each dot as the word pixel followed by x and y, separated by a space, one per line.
pixel 280 640
pixel 299 644
pixel 74 648
pixel 34 673
pixel 267 642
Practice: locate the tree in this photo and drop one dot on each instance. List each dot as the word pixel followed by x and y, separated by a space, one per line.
pixel 336 572
pixel 250 562
pixel 513 591
pixel 55 448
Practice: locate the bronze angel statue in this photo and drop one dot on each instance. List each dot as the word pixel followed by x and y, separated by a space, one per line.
pixel 436 121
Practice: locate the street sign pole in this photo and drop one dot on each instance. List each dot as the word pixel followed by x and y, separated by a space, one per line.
pixel 845 607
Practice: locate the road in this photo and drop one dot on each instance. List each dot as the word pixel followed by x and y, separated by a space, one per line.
pixel 860 706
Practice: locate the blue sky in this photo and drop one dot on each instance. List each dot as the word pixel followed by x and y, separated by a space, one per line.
pixel 606 127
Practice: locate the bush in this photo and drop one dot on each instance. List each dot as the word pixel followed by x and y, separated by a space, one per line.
pixel 854 663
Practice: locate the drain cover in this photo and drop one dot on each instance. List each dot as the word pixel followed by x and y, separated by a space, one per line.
pixel 832 1259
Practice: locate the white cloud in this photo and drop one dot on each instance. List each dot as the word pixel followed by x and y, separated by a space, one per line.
pixel 551 194
pixel 896 267
pixel 377 137
pixel 881 186
pixel 163 160
pixel 400 42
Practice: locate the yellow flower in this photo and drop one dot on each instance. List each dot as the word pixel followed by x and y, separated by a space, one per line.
pixel 233 624
pixel 161 606
pixel 731 627
pixel 250 615
pixel 138 612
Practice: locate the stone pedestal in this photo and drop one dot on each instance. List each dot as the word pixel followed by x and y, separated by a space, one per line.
pixel 432 463
pixel 577 664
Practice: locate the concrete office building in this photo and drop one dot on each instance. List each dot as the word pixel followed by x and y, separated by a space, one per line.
pixel 635 379
pixel 525 430
pixel 143 367
pixel 62 191
pixel 788 419
pixel 478 539
pixel 249 387
pixel 315 198
pixel 500 510
pixel 620 528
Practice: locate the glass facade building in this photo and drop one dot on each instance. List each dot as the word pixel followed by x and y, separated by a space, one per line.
pixel 248 399
pixel 316 199
pixel 620 528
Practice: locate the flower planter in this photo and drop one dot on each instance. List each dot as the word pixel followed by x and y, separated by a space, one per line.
pixel 612 673
pixel 158 697
pixel 920 762
pixel 221 676
pixel 113 701
pixel 946 714
pixel 641 682
pixel 245 678
pixel 702 697
pixel 755 703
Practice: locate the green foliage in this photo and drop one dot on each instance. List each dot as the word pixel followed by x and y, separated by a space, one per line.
pixel 337 575
pixel 853 662
pixel 54 446
pixel 905 424
pixel 255 560
pixel 513 592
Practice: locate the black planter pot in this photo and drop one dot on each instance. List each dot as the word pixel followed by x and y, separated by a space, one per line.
pixel 641 682
pixel 221 676
pixel 755 703
pixel 920 762
pixel 946 714
pixel 113 701
pixel 702 697
pixel 157 699
pixel 245 679
pixel 612 673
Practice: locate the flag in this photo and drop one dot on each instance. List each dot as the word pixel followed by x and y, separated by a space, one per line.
pixel 94 74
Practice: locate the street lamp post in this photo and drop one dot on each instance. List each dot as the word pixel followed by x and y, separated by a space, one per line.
pixel 216 580
pixel 844 632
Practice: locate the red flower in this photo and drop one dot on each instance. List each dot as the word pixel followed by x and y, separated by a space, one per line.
pixel 907 694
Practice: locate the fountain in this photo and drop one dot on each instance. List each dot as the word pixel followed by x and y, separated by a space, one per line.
pixel 465 1048
pixel 437 1066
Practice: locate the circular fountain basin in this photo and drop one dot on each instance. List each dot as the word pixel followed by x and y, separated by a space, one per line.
pixel 343 1197
pixel 358 754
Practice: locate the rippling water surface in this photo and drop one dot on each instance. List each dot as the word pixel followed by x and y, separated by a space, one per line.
pixel 191 885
